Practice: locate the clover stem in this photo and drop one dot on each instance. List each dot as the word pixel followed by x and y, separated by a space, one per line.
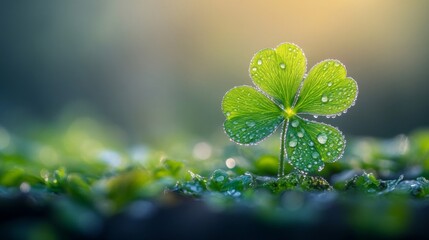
pixel 282 149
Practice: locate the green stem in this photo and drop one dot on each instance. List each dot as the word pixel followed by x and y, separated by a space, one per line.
pixel 283 149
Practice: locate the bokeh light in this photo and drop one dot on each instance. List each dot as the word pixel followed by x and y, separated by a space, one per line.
pixel 159 69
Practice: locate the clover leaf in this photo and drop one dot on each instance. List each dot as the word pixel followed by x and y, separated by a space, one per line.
pixel 282 94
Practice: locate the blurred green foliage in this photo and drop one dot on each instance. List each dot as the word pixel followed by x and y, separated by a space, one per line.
pixel 84 169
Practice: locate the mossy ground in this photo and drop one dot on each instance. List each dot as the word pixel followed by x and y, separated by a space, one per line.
pixel 53 185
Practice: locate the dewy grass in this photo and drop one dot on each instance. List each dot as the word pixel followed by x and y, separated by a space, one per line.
pixel 282 94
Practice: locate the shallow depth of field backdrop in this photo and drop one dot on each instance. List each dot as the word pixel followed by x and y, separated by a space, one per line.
pixel 157 70
pixel 106 105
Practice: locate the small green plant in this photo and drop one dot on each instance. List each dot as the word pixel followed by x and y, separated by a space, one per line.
pixel 283 92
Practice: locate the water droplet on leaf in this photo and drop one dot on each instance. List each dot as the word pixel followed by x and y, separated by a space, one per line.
pixel 324 99
pixel 293 143
pixel 322 138
pixel 220 178
pixel 315 155
pixel 295 123
pixel 250 124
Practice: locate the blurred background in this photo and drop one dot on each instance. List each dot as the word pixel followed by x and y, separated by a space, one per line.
pixel 157 70
pixel 106 105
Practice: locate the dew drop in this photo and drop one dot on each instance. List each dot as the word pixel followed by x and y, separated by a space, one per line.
pixel 254 69
pixel 322 138
pixel 295 123
pixel 259 62
pixel 293 143
pixel 324 99
pixel 315 116
pixel 228 114
pixel 329 84
pixel 250 124
pixel 300 134
pixel 220 178
pixel 315 155
pixel 310 144
pixel 337 64
pixel 282 65
pixel 235 122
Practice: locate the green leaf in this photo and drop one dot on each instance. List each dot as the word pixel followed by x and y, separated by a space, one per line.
pixel 250 115
pixel 327 90
pixel 297 181
pixel 195 187
pixel 310 144
pixel 218 180
pixel 240 183
pixel 368 183
pixel 279 72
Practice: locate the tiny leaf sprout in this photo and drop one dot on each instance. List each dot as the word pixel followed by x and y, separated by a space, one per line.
pixel 282 93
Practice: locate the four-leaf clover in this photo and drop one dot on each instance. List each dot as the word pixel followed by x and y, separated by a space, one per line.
pixel 283 92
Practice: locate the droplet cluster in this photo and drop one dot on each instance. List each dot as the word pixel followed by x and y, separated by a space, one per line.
pixel 311 144
pixel 278 72
pixel 327 90
pixel 250 115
